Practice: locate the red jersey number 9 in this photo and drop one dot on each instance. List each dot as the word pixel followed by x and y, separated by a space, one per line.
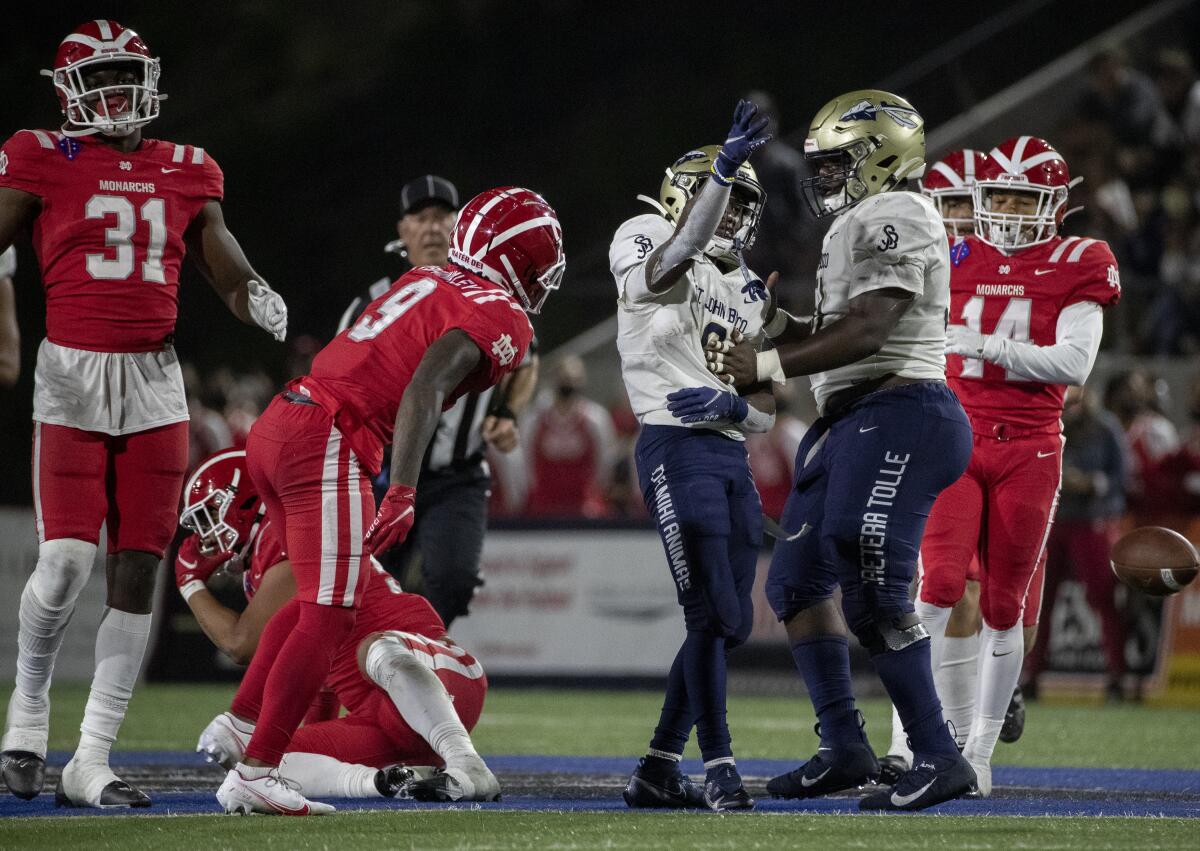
pixel 372 323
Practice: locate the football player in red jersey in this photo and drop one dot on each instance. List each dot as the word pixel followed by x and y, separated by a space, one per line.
pixel 1026 313
pixel 112 214
pixel 439 332
pixel 416 710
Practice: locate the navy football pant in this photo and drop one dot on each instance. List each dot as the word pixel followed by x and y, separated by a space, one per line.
pixel 697 485
pixel 865 483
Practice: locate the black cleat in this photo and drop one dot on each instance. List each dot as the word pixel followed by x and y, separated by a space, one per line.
pixel 116 794
pixel 933 779
pixel 393 781
pixel 648 789
pixel 1014 718
pixel 891 768
pixel 24 773
pixel 830 770
pixel 725 792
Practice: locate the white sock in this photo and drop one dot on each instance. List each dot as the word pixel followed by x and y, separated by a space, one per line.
pixel 935 619
pixel 1001 654
pixel 323 776
pixel 420 698
pixel 956 680
pixel 899 745
pixel 47 604
pixel 120 646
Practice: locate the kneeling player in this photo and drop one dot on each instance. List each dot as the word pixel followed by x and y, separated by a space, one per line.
pixel 412 693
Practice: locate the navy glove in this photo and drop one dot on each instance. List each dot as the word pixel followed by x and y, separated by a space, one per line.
pixel 707 405
pixel 746 136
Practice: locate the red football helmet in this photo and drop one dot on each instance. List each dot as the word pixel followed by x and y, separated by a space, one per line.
pixel 115 108
pixel 952 178
pixel 1023 164
pixel 221 504
pixel 511 237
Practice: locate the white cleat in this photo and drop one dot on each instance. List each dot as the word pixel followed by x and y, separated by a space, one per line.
pixel 224 740
pixel 272 795
pixel 467 780
pixel 983 779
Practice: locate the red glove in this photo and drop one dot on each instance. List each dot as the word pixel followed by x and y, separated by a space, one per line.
pixel 394 520
pixel 193 568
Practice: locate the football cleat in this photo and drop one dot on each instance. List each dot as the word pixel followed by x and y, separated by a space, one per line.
pixel 649 789
pixel 470 780
pixel 272 795
pixel 932 780
pixel 393 781
pixel 24 773
pixel 91 783
pixel 830 770
pixel 224 740
pixel 1014 718
pixel 982 787
pixel 724 792
pixel 891 768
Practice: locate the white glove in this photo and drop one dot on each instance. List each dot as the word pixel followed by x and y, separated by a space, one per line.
pixel 961 340
pixel 267 309
pixel 224 740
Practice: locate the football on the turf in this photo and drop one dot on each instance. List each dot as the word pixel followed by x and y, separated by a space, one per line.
pixel 1155 560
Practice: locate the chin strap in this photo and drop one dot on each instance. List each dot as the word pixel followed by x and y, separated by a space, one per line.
pixel 653 203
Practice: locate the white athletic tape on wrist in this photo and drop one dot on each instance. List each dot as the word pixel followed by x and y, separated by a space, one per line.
pixel 769 367
pixel 188 589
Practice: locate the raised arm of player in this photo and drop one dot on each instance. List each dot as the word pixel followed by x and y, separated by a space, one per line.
pixel 224 265
pixel 870 320
pixel 443 367
pixel 668 264
pixel 1068 360
pixel 238 634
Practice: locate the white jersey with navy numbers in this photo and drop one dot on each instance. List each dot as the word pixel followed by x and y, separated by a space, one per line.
pixel 661 340
pixel 895 240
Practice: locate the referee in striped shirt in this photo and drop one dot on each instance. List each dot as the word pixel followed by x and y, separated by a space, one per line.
pixel 451 509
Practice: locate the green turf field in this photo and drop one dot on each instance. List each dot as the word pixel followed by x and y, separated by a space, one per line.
pixel 477 830
pixel 615 723
pixel 519 721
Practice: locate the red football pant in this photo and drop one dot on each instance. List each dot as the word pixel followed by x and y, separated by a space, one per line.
pixel 307 645
pixel 375 734
pixel 309 479
pixel 1081 547
pixel 133 481
pixel 1000 510
pixel 1033 600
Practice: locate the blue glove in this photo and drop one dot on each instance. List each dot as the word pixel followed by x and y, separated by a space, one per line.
pixel 746 136
pixel 707 405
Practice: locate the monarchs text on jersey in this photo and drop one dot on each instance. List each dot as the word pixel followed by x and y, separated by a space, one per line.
pixel 110 233
pixel 1020 296
pixel 893 241
pixel 360 377
pixel 662 341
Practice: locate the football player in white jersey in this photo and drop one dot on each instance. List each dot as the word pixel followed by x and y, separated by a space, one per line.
pixel 681 280
pixel 890 437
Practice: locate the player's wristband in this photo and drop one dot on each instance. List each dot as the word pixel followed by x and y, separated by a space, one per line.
pixel 189 588
pixel 777 324
pixel 769 367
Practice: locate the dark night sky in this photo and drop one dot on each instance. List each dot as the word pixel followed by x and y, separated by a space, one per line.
pixel 318 117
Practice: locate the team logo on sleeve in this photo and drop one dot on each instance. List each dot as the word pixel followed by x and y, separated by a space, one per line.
pixel 504 350
pixel 1114 278
pixel 889 239
pixel 644 244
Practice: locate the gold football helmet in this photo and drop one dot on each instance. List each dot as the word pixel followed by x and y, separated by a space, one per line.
pixel 860 144
pixel 739 225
